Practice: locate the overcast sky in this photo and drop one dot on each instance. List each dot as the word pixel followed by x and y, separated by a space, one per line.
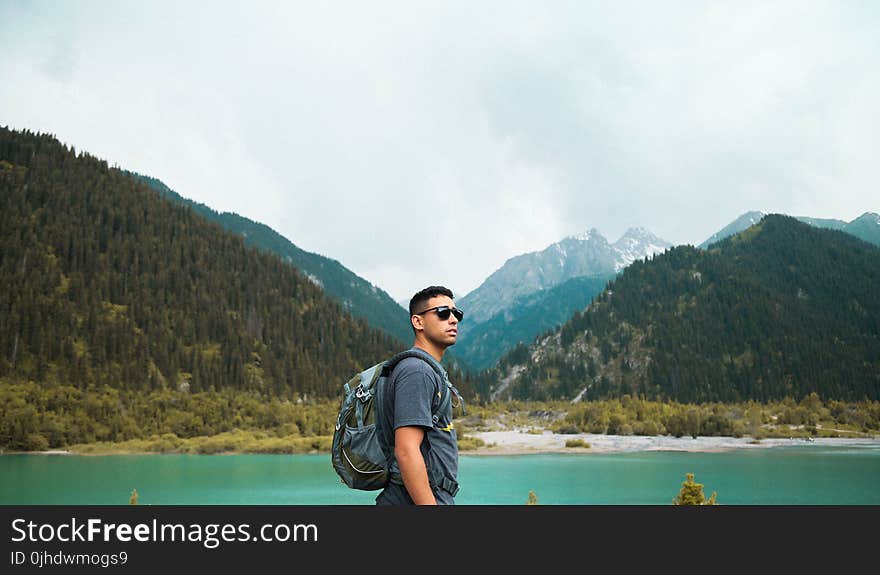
pixel 427 142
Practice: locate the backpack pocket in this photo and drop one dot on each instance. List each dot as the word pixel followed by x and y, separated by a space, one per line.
pixel 363 457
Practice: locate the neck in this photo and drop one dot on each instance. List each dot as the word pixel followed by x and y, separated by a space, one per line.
pixel 435 350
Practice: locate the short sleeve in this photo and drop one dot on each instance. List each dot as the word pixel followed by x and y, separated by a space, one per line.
pixel 413 396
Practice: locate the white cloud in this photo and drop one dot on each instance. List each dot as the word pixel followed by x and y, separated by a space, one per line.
pixel 424 143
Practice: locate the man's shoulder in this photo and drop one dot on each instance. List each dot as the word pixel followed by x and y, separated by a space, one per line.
pixel 409 366
pixel 418 365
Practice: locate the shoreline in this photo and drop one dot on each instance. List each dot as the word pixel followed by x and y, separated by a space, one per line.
pixel 522 443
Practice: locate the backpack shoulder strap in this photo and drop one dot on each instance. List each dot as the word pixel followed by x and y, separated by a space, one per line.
pixel 415 352
pixel 438 369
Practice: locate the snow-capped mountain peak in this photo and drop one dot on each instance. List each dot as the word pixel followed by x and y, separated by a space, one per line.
pixel 635 244
pixel 584 254
pixel 587 235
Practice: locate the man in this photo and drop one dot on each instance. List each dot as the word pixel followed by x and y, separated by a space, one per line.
pixel 424 467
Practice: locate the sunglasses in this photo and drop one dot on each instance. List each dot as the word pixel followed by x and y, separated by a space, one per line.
pixel 443 312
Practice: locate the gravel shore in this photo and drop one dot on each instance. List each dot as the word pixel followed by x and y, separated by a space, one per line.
pixel 520 442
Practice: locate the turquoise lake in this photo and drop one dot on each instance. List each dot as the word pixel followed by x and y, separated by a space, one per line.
pixel 802 475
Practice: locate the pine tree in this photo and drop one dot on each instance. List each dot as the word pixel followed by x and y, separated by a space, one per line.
pixel 692 493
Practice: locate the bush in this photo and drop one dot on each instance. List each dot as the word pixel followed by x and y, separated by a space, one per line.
pixel 36 442
pixel 311 444
pixel 649 427
pixel 577 443
pixel 466 443
pixel 167 442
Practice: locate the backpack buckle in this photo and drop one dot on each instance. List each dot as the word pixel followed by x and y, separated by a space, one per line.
pixel 448 485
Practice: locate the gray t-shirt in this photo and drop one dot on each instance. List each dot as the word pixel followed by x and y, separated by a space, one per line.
pixel 417 392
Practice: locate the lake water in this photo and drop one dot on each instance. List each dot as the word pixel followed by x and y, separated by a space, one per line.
pixel 801 475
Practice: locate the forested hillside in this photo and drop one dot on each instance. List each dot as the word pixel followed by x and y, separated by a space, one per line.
pixel 354 293
pixel 482 344
pixel 105 283
pixel 780 310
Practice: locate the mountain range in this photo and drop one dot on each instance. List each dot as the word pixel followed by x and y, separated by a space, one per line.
pixel 530 296
pixel 575 256
pixel 537 291
pixel 534 292
pixel 780 309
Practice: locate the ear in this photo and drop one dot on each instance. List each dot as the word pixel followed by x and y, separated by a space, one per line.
pixel 416 321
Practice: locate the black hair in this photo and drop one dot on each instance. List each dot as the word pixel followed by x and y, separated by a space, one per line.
pixel 419 300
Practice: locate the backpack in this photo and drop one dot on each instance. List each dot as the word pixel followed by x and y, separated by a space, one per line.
pixel 358 451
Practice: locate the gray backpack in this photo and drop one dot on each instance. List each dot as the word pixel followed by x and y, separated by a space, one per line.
pixel 361 447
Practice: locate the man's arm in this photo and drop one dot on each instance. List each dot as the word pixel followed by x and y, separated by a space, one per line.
pixel 407 450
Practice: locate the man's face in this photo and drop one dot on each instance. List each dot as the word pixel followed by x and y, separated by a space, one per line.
pixel 439 331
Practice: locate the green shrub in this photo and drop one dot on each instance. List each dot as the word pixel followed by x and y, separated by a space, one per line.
pixel 36 442
pixel 467 443
pixel 577 443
